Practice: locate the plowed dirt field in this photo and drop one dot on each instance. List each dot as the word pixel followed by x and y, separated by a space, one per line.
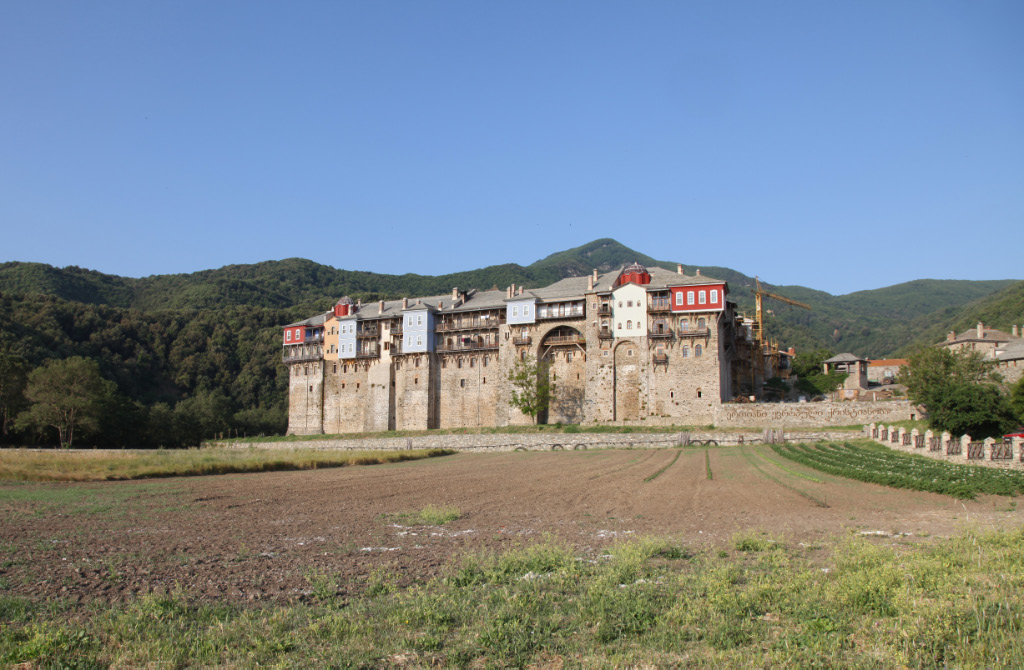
pixel 269 536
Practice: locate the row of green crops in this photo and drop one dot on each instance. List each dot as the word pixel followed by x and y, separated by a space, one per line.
pixel 879 465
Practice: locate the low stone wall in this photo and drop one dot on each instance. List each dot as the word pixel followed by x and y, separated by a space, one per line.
pixel 945 447
pixel 539 442
pixel 814 414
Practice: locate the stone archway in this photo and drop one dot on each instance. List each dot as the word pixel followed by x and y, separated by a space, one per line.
pixel 564 348
pixel 627 381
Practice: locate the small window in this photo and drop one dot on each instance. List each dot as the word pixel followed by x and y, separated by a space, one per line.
pixel 357 386
pixel 485 380
pixel 700 393
pixel 686 352
pixel 343 385
pixel 629 352
pixel 335 368
pixel 458 363
pixel 472 362
pixel 568 357
pixel 444 364
pixel 629 325
pixel 417 362
pixel 462 383
pixel 419 320
pixel 671 394
pixel 415 380
pixel 620 303
pixel 287 336
pixel 522 355
pixel 620 326
pixel 679 297
pixel 310 388
pixel 515 311
pixel 629 303
pixel 419 340
pixel 698 351
pixel 526 310
pixel 485 361
pixel 702 323
pixel 714 296
pixel 703 297
pixel 689 297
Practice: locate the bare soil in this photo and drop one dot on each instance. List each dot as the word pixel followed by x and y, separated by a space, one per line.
pixel 274 536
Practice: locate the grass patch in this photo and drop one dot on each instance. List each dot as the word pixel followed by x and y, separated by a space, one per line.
pixel 31 465
pixel 707 463
pixel 431 515
pixel 951 603
pixel 871 462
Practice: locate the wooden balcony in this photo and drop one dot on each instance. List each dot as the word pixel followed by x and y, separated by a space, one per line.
pixel 604 310
pixel 561 315
pixel 696 332
pixel 660 305
pixel 565 340
pixel 468 324
pixel 522 341
pixel 368 332
pixel 660 334
pixel 372 353
pixel 660 359
pixel 473 346
pixel 605 334
pixel 296 356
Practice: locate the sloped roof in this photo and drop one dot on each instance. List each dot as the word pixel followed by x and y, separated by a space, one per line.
pixel 845 358
pixel 1011 351
pixel 887 362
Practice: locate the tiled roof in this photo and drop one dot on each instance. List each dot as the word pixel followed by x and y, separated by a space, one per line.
pixel 886 362
pixel 564 289
pixel 845 358
pixel 1011 351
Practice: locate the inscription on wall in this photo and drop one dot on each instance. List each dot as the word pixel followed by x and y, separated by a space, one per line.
pixel 814 414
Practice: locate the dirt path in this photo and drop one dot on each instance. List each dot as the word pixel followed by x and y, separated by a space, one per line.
pixel 271 535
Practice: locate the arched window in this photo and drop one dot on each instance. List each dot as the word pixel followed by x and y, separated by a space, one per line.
pixel 702 323
pixel 458 364
pixel 684 325
pixel 686 352
pixel 697 351
pixel 629 325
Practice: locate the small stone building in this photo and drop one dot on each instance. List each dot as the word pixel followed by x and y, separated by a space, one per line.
pixel 854 366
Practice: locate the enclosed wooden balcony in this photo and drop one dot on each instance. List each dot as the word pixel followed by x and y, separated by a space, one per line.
pixel 525 340
pixel 468 324
pixel 302 354
pixel 694 332
pixel 660 359
pixel 468 346
pixel 605 334
pixel 659 305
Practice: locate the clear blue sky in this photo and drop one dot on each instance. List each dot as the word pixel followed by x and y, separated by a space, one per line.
pixel 838 145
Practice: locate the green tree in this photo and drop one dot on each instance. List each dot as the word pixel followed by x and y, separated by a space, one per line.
pixel 532 386
pixel 13 376
pixel 1017 401
pixel 809 367
pixel 65 394
pixel 959 391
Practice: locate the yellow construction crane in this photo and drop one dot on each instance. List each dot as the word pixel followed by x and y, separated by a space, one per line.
pixel 759 295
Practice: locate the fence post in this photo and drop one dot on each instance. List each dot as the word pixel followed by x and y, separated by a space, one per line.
pixel 914 434
pixel 965 446
pixel 989 443
pixel 874 430
pixel 928 437
pixel 946 438
pixel 1016 444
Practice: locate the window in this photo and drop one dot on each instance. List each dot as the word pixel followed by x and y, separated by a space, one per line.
pixel 408 321
pixel 515 311
pixel 620 303
pixel 629 303
pixel 417 362
pixel 679 297
pixel 629 325
pixel 415 380
pixel 444 364
pixel 684 325
pixel 472 362
pixel 702 323
pixel 419 340
pixel 335 368
pixel 686 352
pixel 485 361
pixel 485 380
pixel 568 357
pixel 699 393
pixel 620 326
pixel 703 297
pixel 629 352
pixel 526 310
pixel 287 336
pixel 689 297
pixel 697 351
pixel 462 383
pixel 458 364
pixel 714 296
pixel 419 320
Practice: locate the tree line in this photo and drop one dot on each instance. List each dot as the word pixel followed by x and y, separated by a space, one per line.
pixel 167 378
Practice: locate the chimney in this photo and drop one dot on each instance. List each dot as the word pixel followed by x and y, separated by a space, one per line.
pixel 520 290
pixel 455 294
pixel 359 303
pixel 595 275
pixel 440 305
pixel 380 307
pixel 508 292
pixel 590 283
pixel 698 272
pixel 405 303
pixel 679 269
pixel 981 330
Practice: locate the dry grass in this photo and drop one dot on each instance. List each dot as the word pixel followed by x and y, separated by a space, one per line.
pixel 84 466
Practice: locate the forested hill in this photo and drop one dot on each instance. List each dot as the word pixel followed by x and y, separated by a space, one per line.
pixel 874 323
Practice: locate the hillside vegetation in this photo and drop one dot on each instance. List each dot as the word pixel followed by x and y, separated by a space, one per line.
pixel 197 354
